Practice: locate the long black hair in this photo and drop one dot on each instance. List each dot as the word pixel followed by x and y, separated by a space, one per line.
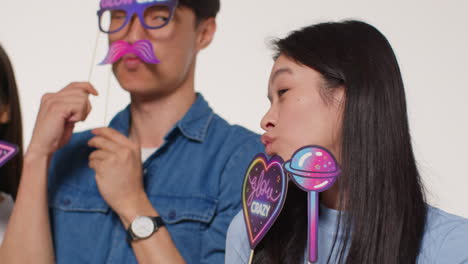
pixel 12 131
pixel 380 187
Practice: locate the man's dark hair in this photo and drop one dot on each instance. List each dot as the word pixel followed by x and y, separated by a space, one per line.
pixel 203 8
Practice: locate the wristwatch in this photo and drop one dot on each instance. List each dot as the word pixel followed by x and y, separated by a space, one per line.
pixel 143 227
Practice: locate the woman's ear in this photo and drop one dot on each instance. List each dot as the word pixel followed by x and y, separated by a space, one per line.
pixel 339 96
pixel 4 114
pixel 206 31
pixel 341 93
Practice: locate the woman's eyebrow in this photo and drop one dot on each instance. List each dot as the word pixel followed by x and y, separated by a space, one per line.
pixel 278 72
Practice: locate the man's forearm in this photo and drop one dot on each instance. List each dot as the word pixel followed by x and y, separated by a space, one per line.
pixel 159 247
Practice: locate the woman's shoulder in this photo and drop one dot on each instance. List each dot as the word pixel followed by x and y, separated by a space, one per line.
pixel 445 238
pixel 237 242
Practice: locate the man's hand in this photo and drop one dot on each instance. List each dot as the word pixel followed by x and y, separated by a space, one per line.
pixel 57 116
pixel 117 163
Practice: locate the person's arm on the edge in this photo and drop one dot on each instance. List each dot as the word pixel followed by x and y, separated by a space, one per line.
pixel 117 162
pixel 28 237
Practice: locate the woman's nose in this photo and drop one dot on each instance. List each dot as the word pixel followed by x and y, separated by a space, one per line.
pixel 268 121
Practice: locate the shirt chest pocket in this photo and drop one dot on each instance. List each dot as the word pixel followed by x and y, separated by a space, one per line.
pixel 187 219
pixel 188 213
pixel 81 222
pixel 73 199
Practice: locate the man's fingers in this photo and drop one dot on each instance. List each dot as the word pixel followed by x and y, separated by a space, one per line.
pixel 77 111
pixel 113 135
pixel 81 86
pixel 94 164
pixel 99 155
pixel 103 143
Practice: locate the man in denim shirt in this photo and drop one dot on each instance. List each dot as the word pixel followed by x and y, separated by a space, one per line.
pixel 166 161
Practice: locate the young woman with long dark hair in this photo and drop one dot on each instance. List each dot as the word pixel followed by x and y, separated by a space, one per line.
pixel 339 85
pixel 10 131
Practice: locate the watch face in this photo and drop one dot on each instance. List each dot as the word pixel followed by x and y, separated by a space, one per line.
pixel 142 227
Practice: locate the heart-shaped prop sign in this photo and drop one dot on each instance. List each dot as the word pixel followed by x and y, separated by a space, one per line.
pixel 7 151
pixel 263 195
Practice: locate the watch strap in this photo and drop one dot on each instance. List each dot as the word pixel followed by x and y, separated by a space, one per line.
pixel 158 223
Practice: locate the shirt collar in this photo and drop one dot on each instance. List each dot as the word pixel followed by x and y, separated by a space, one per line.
pixel 194 125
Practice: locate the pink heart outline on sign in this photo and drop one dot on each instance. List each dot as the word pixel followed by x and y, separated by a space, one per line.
pixel 265 195
pixel 7 151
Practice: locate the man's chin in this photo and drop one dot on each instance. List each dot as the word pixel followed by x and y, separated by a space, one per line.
pixel 136 88
pixel 143 92
pixel 135 83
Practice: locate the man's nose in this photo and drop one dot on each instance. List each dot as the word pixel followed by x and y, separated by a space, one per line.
pixel 136 31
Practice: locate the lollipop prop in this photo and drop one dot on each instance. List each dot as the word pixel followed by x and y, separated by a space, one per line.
pixel 263 195
pixel 7 152
pixel 314 169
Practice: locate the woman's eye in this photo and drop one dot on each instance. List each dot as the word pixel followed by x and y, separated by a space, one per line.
pixel 282 91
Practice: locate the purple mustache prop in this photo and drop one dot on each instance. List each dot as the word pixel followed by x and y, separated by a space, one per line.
pixel 142 48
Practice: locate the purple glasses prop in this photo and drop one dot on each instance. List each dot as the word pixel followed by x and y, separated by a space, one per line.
pixel 114 15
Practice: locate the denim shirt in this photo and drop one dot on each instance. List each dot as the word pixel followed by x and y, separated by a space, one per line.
pixel 193 180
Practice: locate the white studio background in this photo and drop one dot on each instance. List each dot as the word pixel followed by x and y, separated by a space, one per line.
pixel 50 44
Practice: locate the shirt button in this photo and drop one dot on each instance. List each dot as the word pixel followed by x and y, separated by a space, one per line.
pixel 66 202
pixel 172 215
pixel 145 171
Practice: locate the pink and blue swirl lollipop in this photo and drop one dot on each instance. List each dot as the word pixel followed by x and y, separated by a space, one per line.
pixel 314 169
